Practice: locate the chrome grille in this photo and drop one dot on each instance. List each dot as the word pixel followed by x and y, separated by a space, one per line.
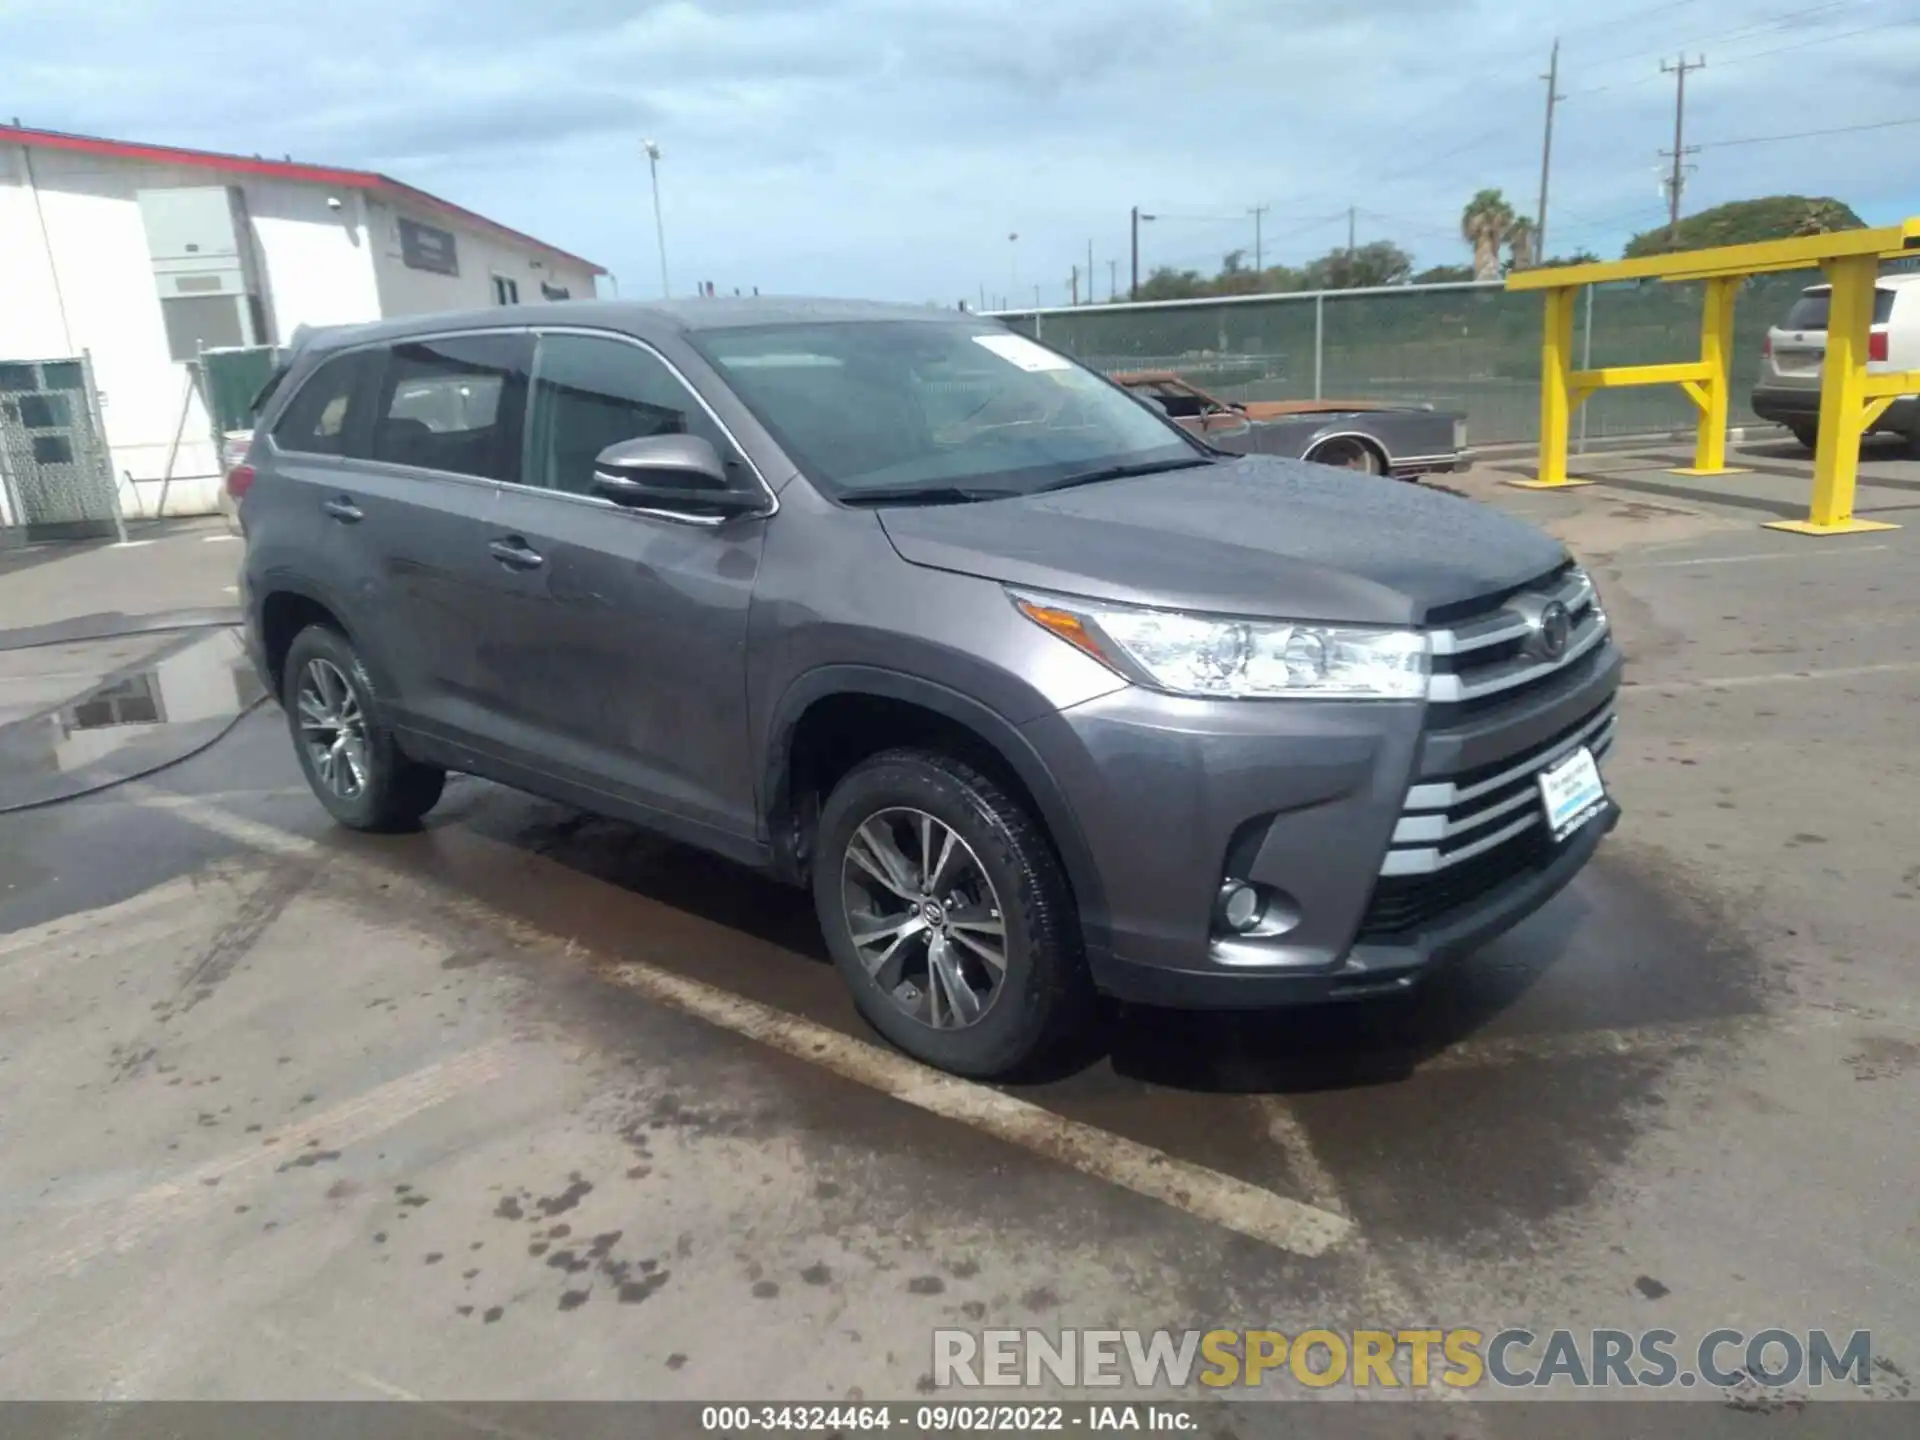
pixel 1445 823
pixel 1499 654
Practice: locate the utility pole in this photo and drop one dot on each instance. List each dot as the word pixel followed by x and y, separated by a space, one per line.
pixel 1349 235
pixel 1133 293
pixel 1073 284
pixel 1259 256
pixel 1554 97
pixel 1089 272
pixel 1680 151
pixel 659 225
pixel 1113 281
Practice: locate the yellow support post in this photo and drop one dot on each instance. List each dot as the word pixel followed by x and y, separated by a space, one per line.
pixel 1843 402
pixel 1715 388
pixel 1556 393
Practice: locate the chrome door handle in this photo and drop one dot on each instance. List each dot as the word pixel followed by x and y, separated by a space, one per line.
pixel 344 510
pixel 516 554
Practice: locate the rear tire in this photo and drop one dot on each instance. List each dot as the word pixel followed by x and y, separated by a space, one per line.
pixel 352 762
pixel 1807 435
pixel 935 868
pixel 1348 454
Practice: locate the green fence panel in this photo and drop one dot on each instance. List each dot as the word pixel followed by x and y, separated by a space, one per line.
pixel 234 377
pixel 1473 348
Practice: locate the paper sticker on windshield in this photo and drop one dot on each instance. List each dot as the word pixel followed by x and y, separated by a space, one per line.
pixel 1018 350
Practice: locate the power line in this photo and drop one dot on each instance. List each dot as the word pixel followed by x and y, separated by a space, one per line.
pixel 1806 134
pixel 1719 37
pixel 1751 55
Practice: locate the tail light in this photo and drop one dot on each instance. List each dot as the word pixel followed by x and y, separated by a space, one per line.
pixel 1877 345
pixel 239 481
pixel 1766 347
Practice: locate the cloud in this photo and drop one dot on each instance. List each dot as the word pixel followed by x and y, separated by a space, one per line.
pixel 888 147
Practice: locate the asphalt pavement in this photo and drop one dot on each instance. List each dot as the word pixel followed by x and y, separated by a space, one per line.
pixel 533 1105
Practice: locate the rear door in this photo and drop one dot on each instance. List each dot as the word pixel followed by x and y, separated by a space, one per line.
pixel 444 432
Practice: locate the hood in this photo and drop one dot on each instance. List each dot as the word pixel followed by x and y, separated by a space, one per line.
pixel 1254 535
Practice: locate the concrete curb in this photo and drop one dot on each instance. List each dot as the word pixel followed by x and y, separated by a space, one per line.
pixel 1738 435
pixel 113 623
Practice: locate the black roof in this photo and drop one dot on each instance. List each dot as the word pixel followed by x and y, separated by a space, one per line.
pixel 634 316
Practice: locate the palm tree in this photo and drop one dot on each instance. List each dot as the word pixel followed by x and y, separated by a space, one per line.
pixel 1484 225
pixel 1521 237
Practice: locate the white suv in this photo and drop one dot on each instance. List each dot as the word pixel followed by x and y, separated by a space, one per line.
pixel 1788 390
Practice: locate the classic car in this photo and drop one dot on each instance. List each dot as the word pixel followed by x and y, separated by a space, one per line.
pixel 1365 435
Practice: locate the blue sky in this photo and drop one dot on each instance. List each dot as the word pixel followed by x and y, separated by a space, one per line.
pixel 888 148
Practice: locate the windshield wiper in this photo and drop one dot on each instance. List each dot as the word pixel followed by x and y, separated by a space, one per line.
pixel 1123 472
pixel 922 495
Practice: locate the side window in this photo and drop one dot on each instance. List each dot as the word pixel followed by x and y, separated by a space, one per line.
pixel 589 393
pixel 455 404
pixel 316 419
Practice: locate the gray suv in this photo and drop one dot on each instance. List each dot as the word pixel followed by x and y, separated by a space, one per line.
pixel 1040 696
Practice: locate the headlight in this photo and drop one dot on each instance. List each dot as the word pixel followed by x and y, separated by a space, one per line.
pixel 1237 659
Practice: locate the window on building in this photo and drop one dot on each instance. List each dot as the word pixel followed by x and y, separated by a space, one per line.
pixel 506 291
pixel 317 420
pixel 455 404
pixel 589 393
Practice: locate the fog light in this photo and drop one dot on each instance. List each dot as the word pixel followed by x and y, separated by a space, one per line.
pixel 1240 906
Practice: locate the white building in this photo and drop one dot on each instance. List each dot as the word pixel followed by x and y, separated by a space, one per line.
pixel 141 255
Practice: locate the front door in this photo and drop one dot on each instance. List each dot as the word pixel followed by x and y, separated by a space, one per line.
pixel 622 659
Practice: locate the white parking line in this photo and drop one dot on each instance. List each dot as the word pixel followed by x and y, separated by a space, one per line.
pixel 1196 1190
pixel 1810 553
pixel 368 1114
pixel 1777 677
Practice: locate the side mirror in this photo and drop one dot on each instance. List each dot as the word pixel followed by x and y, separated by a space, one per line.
pixel 681 473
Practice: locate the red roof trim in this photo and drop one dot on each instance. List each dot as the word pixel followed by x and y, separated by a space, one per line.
pixel 367 180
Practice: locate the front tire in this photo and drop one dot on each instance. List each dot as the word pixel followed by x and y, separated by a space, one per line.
pixel 352 762
pixel 949 916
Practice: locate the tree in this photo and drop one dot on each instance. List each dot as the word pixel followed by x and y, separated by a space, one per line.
pixel 1378 262
pixel 1166 283
pixel 1521 237
pixel 1443 274
pixel 1578 257
pixel 1484 225
pixel 1771 217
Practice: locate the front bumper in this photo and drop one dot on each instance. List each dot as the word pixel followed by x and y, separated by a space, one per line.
pixel 1307 799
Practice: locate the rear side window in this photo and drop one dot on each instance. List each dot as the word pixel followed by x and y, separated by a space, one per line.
pixel 318 420
pixel 455 404
pixel 1809 312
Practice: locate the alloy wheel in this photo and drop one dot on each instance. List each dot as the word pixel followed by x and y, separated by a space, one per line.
pixel 333 728
pixel 925 918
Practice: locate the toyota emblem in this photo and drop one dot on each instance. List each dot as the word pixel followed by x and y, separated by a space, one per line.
pixel 1555 628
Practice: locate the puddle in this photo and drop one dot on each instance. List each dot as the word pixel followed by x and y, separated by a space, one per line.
pixel 174 701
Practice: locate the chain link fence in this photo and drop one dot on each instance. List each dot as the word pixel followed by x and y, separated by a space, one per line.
pixel 1473 347
pixel 56 472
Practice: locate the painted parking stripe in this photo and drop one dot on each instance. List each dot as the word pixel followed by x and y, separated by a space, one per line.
pixel 373 1112
pixel 1777 677
pixel 1809 553
pixel 1197 1190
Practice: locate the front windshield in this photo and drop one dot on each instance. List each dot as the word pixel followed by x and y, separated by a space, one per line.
pixel 894 407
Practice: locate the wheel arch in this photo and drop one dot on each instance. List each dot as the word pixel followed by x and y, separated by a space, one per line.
pixel 932 713
pixel 1372 443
